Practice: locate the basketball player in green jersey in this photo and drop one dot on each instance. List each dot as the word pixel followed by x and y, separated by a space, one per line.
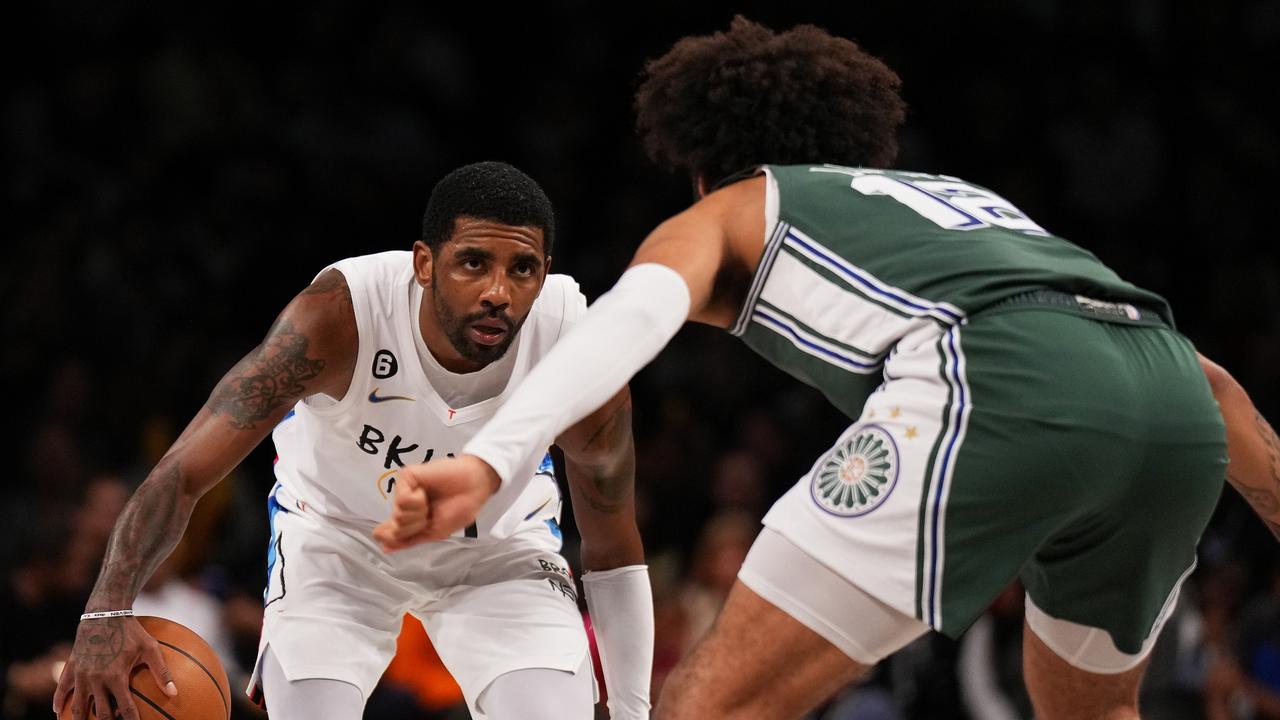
pixel 1018 410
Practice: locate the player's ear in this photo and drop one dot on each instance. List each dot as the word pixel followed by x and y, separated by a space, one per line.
pixel 546 268
pixel 422 260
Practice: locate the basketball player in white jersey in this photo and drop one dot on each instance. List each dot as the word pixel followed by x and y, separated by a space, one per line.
pixel 383 361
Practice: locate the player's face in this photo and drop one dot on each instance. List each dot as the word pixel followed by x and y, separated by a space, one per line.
pixel 480 288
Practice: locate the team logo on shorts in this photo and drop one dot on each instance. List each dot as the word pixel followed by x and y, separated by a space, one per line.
pixel 858 475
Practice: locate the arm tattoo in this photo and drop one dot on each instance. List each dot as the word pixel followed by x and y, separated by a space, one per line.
pixel 1273 454
pixel 268 377
pixel 331 282
pixel 607 489
pixel 146 532
pixel 1265 499
pixel 103 642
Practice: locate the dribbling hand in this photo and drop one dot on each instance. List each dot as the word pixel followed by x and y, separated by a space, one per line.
pixel 105 653
pixel 434 500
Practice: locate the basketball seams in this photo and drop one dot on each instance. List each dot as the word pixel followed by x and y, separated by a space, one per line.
pixel 150 702
pixel 221 696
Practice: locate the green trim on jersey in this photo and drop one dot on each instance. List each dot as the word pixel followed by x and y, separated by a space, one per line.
pixel 943 431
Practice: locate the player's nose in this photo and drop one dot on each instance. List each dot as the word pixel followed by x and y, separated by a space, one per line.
pixel 497 292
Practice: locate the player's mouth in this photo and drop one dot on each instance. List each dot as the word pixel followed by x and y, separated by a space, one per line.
pixel 487 332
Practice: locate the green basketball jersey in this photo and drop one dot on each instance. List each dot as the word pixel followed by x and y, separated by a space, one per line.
pixel 858 260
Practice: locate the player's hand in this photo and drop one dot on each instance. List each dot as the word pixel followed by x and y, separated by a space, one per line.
pixel 434 500
pixel 104 655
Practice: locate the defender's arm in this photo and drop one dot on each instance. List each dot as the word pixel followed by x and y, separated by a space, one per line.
pixel 1253 450
pixel 600 462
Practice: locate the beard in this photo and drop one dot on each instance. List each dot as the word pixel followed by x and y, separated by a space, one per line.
pixel 455 328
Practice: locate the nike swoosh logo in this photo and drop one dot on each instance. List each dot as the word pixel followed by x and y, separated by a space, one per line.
pixel 373 397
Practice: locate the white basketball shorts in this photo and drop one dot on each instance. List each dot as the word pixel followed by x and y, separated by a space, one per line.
pixel 335 602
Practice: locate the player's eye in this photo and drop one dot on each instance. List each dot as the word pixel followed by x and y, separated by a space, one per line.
pixel 472 263
pixel 523 269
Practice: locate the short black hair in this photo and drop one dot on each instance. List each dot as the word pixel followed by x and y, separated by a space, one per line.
pixel 487 191
pixel 715 105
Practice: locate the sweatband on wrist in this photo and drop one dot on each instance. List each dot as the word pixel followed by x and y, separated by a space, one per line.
pixel 106 614
pixel 620 603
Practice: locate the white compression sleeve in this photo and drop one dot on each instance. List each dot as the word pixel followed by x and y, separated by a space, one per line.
pixel 618 336
pixel 620 603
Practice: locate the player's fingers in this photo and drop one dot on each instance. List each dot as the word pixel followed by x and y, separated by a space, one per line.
pixel 409 477
pixel 382 533
pixel 412 514
pixel 99 702
pixel 66 682
pixel 154 660
pixel 400 543
pixel 410 499
pixel 80 703
pixel 392 532
pixel 124 706
pixel 409 541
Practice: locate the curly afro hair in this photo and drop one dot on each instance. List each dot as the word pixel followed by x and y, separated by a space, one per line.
pixel 718 104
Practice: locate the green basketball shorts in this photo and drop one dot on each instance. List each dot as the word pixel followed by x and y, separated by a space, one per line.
pixel 1081 453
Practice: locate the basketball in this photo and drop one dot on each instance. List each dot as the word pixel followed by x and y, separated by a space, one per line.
pixel 203 692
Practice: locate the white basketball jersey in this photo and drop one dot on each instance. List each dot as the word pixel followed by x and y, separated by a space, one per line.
pixel 340 460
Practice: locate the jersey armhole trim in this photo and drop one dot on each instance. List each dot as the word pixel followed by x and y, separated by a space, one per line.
pixel 360 311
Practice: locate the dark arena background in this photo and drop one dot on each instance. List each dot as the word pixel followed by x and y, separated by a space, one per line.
pixel 174 173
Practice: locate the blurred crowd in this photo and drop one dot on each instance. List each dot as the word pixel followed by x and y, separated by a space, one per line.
pixel 173 175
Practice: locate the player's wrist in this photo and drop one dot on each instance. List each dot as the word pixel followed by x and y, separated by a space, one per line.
pixel 106 614
pixel 492 481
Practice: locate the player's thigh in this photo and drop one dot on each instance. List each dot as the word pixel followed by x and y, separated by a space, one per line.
pixel 792 633
pixel 307 699
pixel 516 610
pixel 1061 691
pixel 540 694
pixel 331 609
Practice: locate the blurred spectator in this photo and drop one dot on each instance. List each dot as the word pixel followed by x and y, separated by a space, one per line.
pixel 40 610
pixel 1244 683
pixel 722 547
pixel 738 484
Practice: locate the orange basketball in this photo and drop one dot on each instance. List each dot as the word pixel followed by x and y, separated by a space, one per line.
pixel 203 692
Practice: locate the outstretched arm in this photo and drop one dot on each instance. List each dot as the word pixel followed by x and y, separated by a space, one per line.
pixel 311 348
pixel 600 461
pixel 621 332
pixel 1253 450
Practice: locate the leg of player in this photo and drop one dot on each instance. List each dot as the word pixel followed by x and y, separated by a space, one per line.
pixel 1061 691
pixel 755 662
pixel 314 698
pixel 540 694
pixel 791 634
